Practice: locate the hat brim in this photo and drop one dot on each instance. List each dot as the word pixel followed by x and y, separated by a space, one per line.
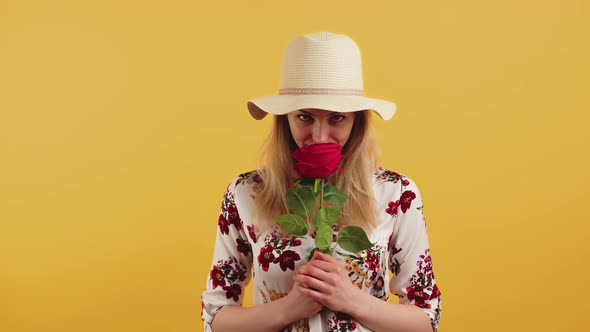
pixel 283 104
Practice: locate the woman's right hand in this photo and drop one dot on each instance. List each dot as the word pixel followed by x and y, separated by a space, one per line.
pixel 301 306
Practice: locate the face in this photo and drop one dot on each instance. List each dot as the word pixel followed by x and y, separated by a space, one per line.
pixel 314 126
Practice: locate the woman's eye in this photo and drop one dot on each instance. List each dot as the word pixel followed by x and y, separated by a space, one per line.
pixel 304 117
pixel 338 118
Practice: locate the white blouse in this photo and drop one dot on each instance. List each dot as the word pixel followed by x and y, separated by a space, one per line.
pixel 400 245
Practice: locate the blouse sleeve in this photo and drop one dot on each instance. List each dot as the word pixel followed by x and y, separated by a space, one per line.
pixel 409 255
pixel 232 262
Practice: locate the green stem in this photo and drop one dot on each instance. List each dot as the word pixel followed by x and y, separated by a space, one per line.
pixel 321 193
pixel 329 250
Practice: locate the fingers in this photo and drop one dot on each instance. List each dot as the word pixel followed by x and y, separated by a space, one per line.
pixel 311 293
pixel 324 257
pixel 314 271
pixel 321 276
pixel 328 264
pixel 310 282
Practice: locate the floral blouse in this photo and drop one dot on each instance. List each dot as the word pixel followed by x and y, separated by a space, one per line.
pixel 400 246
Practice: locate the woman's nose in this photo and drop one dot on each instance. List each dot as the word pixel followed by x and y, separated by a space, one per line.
pixel 320 133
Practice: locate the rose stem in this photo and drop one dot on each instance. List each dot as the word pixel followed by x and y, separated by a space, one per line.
pixel 321 193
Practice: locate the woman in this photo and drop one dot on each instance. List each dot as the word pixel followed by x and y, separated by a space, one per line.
pixel 321 101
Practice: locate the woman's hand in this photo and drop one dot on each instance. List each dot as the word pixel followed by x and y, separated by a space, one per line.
pixel 301 306
pixel 326 281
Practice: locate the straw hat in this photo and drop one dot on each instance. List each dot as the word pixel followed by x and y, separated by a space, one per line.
pixel 321 70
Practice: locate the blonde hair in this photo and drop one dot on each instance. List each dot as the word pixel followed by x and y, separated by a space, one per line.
pixel 361 153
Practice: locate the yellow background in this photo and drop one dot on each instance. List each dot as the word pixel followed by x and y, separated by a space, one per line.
pixel 122 122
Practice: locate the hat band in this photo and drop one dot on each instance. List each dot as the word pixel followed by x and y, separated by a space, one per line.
pixel 321 91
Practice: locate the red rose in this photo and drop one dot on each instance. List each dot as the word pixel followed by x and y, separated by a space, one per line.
pixel 318 161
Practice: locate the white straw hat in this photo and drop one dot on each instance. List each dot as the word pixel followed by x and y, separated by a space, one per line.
pixel 321 70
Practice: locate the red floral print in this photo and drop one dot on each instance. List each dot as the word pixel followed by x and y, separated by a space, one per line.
pixel 341 322
pixel 292 242
pixel 284 258
pixel 266 257
pixel 249 178
pixel 387 175
pixel 202 305
pixel 252 233
pixel 400 248
pixel 233 292
pixel 365 270
pixel 223 224
pixel 217 277
pixel 233 216
pixel 418 295
pixel 229 214
pixel 372 261
pixel 287 260
pixel 392 207
pixel 422 289
pixel 228 274
pixel 243 246
pixel 435 292
pixel 406 200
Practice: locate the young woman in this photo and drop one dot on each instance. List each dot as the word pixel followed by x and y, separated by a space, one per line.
pixel 321 100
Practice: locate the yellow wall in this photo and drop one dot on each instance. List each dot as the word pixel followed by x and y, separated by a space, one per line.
pixel 121 123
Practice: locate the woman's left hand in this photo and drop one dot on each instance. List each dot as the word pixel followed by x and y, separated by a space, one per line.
pixel 325 280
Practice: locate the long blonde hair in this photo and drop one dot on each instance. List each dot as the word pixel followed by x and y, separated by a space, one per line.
pixel 361 153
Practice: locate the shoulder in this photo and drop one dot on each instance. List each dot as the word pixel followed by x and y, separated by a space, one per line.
pixel 383 175
pixel 246 183
pixel 249 178
pixel 391 182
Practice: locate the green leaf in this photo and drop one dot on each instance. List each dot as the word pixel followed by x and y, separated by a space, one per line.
pixel 301 200
pixel 334 195
pixel 306 181
pixel 311 254
pixel 293 224
pixel 323 238
pixel 353 239
pixel 327 215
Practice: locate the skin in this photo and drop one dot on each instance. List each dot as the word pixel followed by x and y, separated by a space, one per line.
pixel 322 282
pixel 326 281
pixel 272 316
pixel 314 126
